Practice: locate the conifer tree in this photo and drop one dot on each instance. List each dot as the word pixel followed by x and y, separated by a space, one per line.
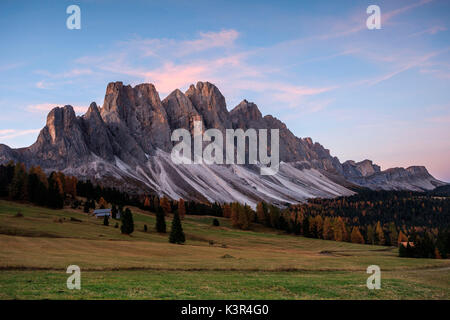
pixel 70 186
pixel 274 215
pixel 370 235
pixel 18 186
pixel 55 192
pixel 305 227
pixel 393 234
pixel 244 217
pixel 327 229
pixel 114 211
pixel 106 220
pixel 6 176
pixel 181 208
pixel 86 207
pixel 176 233
pixel 165 204
pixel 261 217
pixel 127 226
pixel 226 210
pixel 235 214
pixel 380 234
pixel 33 187
pixel 356 236
pixel 147 202
pixel 160 220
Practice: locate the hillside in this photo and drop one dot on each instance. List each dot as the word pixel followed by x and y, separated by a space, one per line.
pixel 36 249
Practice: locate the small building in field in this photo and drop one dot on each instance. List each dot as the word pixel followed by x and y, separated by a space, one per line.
pixel 100 213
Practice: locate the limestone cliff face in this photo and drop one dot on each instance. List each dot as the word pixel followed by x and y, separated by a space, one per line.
pixel 367 174
pixel 180 111
pixel 61 142
pixel 360 169
pixel 96 134
pixel 126 143
pixel 137 115
pixel 210 104
pixel 247 115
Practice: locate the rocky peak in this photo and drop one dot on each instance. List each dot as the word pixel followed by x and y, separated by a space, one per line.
pixel 61 141
pixel 96 134
pixel 60 121
pixel 112 102
pixel 210 104
pixel 137 112
pixel 147 94
pixel 418 171
pixel 93 112
pixel 367 167
pixel 180 111
pixel 363 168
pixel 246 110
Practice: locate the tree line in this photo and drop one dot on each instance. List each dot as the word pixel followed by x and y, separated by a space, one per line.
pixel 18 183
pixel 417 222
pixel 56 190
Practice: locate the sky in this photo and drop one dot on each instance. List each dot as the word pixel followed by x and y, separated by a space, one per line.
pixel 381 94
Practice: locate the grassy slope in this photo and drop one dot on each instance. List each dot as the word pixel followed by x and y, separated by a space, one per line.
pixel 36 249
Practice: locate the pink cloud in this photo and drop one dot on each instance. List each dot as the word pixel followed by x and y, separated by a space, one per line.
pixel 47 107
pixel 441 119
pixel 208 40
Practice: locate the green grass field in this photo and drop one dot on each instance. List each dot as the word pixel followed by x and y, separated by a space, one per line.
pixel 215 263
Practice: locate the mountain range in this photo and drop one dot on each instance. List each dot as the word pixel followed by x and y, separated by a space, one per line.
pixel 126 144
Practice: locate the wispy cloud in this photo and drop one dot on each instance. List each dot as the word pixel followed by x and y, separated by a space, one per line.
pixel 11 66
pixel 6 134
pixel 232 70
pixel 431 31
pixel 76 72
pixel 174 63
pixel 179 48
pixel 404 65
pixel 307 107
pixel 389 15
pixel 54 79
pixel 43 85
pixel 46 107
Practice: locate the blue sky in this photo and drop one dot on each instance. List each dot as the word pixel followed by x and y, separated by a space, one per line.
pixel 377 94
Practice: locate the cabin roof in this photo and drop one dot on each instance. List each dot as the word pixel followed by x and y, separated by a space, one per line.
pixel 98 211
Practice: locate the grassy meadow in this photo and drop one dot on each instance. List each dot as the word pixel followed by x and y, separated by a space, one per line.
pixel 215 263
